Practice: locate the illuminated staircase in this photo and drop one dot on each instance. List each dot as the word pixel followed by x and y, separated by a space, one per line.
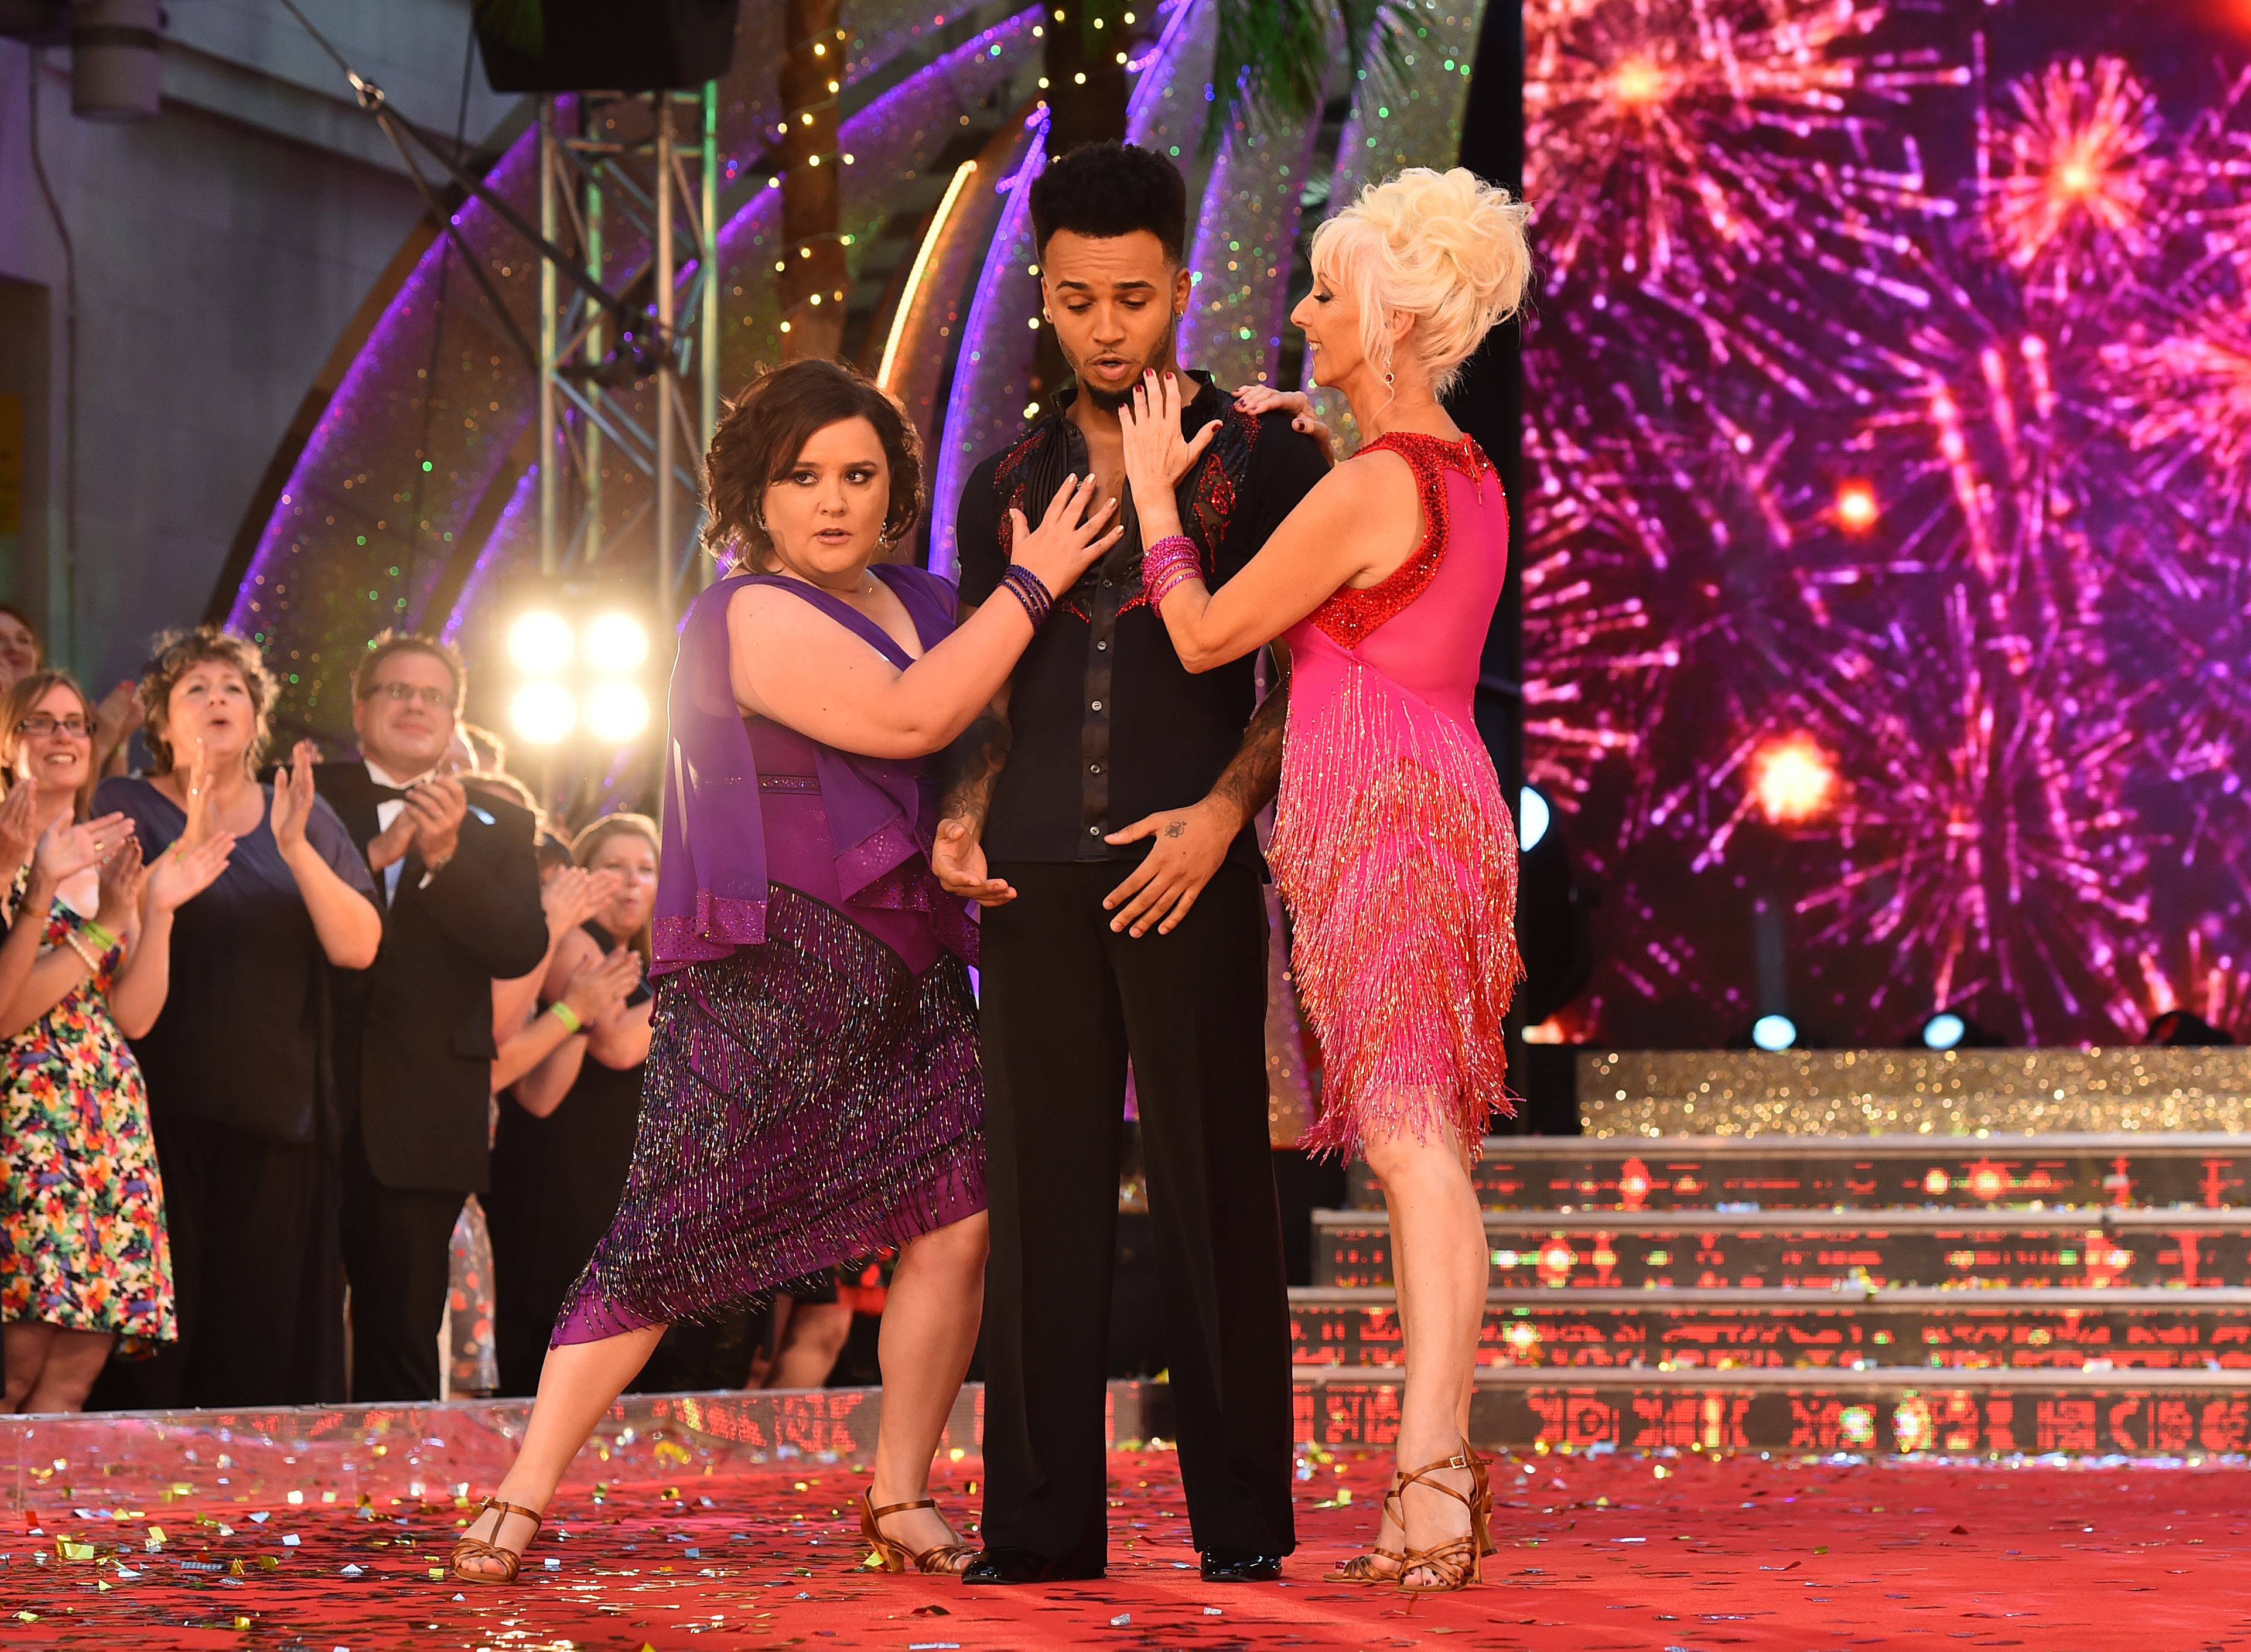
pixel 2003 1291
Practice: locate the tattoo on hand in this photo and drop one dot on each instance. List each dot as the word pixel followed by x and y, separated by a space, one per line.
pixel 1176 829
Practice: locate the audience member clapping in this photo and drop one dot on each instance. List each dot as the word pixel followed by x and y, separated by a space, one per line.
pixel 236 1062
pixel 566 1127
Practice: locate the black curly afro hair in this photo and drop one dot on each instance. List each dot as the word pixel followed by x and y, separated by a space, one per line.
pixel 1103 191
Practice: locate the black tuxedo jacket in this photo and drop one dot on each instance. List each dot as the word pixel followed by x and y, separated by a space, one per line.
pixel 414 1032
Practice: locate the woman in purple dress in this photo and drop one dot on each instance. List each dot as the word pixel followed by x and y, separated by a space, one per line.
pixel 813 1092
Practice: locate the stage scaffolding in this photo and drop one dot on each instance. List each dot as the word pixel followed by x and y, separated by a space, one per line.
pixel 584 421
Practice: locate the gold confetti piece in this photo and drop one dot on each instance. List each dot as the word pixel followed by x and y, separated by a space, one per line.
pixel 70 1549
pixel 27 1617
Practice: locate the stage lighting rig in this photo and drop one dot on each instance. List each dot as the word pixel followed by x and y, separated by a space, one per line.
pixel 581 651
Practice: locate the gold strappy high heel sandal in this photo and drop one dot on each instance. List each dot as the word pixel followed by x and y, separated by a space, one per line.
pixel 947 1559
pixel 1455 1561
pixel 1481 1512
pixel 470 1548
pixel 1361 1568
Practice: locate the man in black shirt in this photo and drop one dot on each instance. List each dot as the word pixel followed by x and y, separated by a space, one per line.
pixel 1102 816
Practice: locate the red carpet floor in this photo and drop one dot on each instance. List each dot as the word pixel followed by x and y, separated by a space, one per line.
pixel 1596 1554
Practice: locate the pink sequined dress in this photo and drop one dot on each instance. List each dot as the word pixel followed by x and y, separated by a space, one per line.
pixel 1392 842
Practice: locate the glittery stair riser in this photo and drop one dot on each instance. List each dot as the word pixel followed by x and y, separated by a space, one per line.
pixel 2174 1414
pixel 2043 1330
pixel 1700 1250
pixel 1786 1172
pixel 1652 1094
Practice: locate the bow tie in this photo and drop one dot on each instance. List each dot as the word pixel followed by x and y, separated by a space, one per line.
pixel 389 794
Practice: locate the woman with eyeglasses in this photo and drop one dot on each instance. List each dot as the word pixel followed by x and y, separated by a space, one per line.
pixel 84 1263
pixel 241 1088
pixel 116 715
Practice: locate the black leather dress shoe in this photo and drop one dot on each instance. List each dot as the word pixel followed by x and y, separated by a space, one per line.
pixel 1023 1565
pixel 1240 1566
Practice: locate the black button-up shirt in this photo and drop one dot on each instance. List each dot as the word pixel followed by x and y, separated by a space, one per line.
pixel 1108 726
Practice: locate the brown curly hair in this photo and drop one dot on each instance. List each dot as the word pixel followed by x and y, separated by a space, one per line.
pixel 173 655
pixel 765 428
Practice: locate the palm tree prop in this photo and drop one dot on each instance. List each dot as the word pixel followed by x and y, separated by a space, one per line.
pixel 1273 56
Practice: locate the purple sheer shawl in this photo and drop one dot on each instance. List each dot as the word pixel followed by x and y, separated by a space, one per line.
pixel 712 882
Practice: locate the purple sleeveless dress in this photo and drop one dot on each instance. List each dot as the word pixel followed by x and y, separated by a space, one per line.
pixel 813 1092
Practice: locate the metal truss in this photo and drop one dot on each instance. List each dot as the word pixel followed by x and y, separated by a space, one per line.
pixel 674 207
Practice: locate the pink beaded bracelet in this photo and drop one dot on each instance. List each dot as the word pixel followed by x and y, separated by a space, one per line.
pixel 1173 561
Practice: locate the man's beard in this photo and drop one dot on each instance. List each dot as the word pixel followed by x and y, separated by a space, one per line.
pixel 1111 401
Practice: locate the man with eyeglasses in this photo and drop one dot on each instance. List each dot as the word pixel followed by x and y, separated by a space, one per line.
pixel 458 886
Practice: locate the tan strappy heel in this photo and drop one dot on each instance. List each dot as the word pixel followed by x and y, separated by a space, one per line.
pixel 1455 1561
pixel 1481 1511
pixel 1361 1568
pixel 469 1548
pixel 945 1560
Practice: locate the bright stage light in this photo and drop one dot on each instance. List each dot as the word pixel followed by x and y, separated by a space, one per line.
pixel 1771 1033
pixel 616 712
pixel 1532 818
pixel 540 641
pixel 616 643
pixel 1943 1030
pixel 543 713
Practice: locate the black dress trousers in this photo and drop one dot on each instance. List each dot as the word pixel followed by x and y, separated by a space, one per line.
pixel 1064 1002
pixel 398 1254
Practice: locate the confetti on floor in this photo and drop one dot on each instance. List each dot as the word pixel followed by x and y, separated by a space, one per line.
pixel 1597 1554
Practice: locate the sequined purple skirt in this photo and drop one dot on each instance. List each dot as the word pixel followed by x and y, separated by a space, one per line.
pixel 807 1102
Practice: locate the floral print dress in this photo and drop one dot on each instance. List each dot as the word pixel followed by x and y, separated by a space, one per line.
pixel 84 1223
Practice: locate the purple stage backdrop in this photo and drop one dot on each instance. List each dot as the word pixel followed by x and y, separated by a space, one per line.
pixel 1886 517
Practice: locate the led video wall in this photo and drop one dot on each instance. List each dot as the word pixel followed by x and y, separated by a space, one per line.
pixel 1886 525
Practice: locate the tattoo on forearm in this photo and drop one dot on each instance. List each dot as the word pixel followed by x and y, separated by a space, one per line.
pixel 1250 780
pixel 971 768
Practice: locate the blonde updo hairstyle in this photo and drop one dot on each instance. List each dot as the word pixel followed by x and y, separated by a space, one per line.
pixel 1444 247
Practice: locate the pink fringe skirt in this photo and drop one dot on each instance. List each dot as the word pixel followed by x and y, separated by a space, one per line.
pixel 1398 857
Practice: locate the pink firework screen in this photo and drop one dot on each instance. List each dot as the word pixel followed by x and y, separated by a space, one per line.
pixel 1886 522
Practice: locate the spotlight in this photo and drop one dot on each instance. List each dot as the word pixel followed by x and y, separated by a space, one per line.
pixel 540 641
pixel 2178 1029
pixel 1772 1033
pixel 616 712
pixel 1532 818
pixel 616 643
pixel 1951 1029
pixel 543 713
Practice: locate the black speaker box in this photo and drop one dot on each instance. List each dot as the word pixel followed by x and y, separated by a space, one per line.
pixel 604 45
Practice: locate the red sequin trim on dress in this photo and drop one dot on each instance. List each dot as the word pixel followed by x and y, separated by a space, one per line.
pixel 1349 616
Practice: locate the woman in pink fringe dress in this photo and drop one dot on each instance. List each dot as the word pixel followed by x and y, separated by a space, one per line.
pixel 1392 842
